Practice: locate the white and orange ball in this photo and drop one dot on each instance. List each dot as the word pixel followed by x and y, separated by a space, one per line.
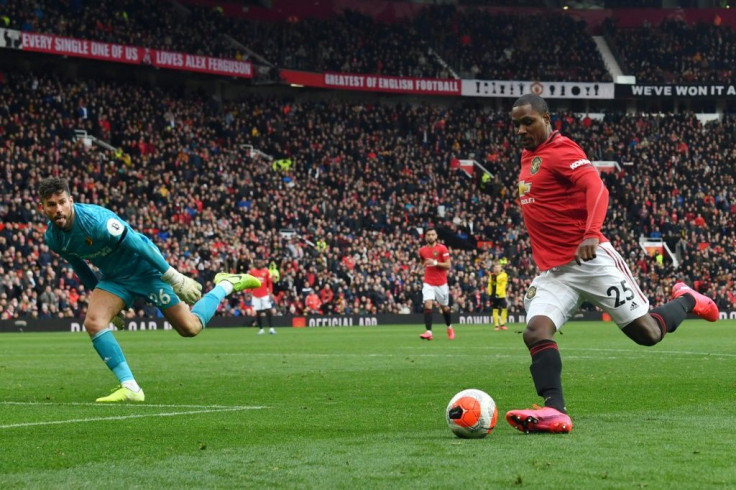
pixel 471 414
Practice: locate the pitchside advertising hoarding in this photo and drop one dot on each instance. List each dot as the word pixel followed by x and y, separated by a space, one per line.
pixel 145 324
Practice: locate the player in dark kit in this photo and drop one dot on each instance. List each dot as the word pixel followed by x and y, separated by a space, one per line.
pixel 564 203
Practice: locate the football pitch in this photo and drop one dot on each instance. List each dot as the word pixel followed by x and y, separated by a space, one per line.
pixel 363 407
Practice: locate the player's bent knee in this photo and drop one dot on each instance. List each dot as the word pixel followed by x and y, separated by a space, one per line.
pixel 647 342
pixel 94 324
pixel 648 337
pixel 539 328
pixel 644 331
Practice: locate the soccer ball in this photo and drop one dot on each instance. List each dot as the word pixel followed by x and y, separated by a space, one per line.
pixel 471 414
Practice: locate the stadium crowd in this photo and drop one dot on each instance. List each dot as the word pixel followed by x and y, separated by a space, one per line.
pixel 144 23
pixel 676 52
pixel 442 41
pixel 336 194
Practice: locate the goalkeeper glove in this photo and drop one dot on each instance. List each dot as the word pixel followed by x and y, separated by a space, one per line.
pixel 187 289
pixel 119 321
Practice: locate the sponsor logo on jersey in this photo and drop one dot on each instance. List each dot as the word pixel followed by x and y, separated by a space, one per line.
pixel 536 163
pixel 579 163
pixel 531 292
pixel 100 253
pixel 525 188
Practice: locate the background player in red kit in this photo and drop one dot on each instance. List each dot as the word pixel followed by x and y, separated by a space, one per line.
pixel 436 261
pixel 564 203
pixel 262 301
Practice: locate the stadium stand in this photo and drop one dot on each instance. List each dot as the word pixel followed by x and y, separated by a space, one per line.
pixel 677 52
pixel 365 175
pixel 441 42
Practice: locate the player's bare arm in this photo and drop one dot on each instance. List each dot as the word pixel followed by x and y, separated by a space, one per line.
pixel 596 205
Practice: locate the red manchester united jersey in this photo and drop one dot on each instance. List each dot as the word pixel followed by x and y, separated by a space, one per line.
pixel 435 276
pixel 266 284
pixel 553 199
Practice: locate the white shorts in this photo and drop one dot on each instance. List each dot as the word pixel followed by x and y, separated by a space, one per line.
pixel 605 281
pixel 440 294
pixel 264 303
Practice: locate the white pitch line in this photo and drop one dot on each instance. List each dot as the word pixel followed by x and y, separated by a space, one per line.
pixel 130 405
pixel 665 352
pixel 124 417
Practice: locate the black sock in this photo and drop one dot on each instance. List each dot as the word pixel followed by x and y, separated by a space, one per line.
pixel 448 317
pixel 269 318
pixel 259 320
pixel 428 319
pixel 546 372
pixel 671 314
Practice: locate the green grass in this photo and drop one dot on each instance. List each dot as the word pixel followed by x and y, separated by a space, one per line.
pixel 363 407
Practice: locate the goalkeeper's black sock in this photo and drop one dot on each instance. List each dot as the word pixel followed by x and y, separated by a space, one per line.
pixel 428 319
pixel 546 372
pixel 670 315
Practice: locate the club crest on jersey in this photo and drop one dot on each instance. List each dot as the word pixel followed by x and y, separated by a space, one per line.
pixel 536 163
pixel 88 241
pixel 531 292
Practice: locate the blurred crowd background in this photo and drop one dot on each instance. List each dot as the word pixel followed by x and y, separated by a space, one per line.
pixel 335 191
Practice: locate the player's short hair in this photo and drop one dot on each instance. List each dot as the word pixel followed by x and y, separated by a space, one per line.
pixel 538 104
pixel 52 185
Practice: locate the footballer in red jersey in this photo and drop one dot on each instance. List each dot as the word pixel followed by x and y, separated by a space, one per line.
pixel 564 203
pixel 435 259
pixel 262 296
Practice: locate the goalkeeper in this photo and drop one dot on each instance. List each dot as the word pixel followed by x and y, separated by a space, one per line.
pixel 130 266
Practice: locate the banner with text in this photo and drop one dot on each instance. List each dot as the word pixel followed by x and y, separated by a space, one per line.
pixel 83 48
pixel 373 83
pixel 9 38
pixel 315 321
pixel 706 91
pixel 312 321
pixel 548 90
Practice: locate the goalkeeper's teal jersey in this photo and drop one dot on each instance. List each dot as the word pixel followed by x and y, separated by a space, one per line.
pixel 96 236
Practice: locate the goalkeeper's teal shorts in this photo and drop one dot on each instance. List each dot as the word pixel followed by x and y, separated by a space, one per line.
pixel 150 287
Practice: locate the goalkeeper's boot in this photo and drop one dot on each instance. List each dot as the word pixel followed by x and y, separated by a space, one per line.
pixel 705 308
pixel 538 419
pixel 122 394
pixel 426 335
pixel 239 281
